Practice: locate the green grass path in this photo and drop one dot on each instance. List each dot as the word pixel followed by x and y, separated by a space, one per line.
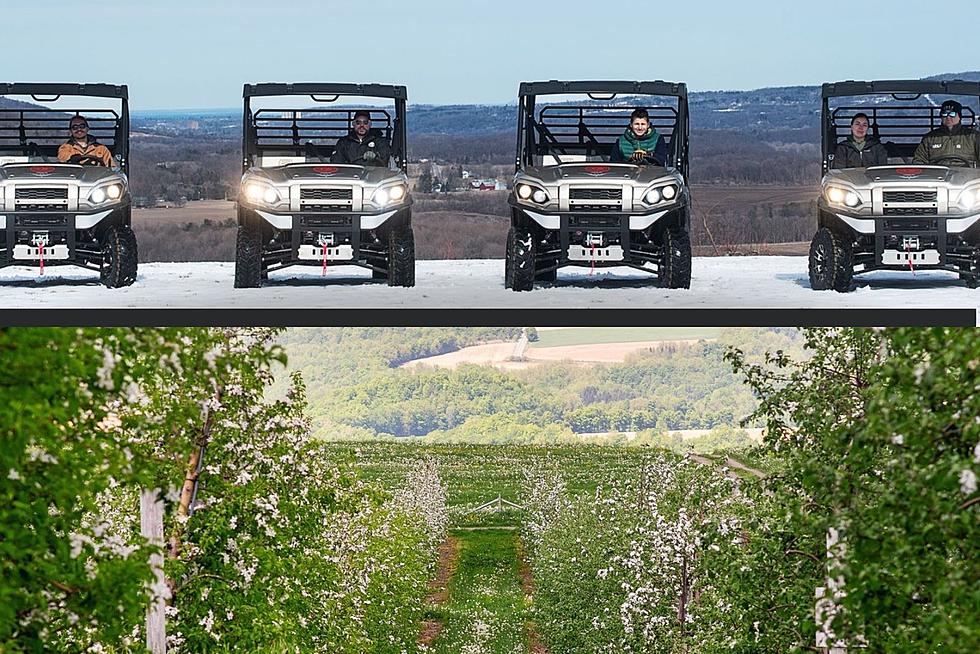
pixel 486 612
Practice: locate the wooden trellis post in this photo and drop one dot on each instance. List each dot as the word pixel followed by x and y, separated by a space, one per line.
pixel 151 528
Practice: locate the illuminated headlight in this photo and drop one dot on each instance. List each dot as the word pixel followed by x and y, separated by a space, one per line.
pixel 256 193
pixel 533 193
pixel 661 194
pixel 103 193
pixel 837 195
pixel 970 199
pixel 385 196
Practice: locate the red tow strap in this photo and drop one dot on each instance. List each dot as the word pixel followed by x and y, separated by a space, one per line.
pixel 323 273
pixel 40 251
pixel 908 252
pixel 592 267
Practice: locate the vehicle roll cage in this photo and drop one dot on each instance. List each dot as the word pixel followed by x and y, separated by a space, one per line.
pixel 38 132
pixel 313 132
pixel 592 129
pixel 899 127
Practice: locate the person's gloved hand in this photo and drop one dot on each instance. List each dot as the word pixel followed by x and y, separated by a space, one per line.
pixel 75 159
pixel 638 156
pixel 370 155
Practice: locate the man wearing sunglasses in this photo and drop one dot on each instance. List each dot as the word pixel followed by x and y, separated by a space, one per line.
pixel 953 144
pixel 81 148
pixel 362 146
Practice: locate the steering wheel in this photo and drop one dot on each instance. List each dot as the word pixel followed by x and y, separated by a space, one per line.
pixel 85 160
pixel 954 160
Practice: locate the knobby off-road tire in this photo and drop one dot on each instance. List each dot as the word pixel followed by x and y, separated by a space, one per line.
pixel 119 257
pixel 248 257
pixel 519 266
pixel 401 257
pixel 676 272
pixel 831 261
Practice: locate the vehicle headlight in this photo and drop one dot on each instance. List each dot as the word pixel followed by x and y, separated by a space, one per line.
pixel 533 193
pixel 970 199
pixel 660 194
pixel 100 194
pixel 841 196
pixel 256 193
pixel 389 195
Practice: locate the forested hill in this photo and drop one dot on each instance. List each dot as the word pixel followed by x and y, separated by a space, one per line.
pixel 787 108
pixel 356 390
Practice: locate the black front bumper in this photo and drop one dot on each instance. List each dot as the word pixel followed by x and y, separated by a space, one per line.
pixel 957 251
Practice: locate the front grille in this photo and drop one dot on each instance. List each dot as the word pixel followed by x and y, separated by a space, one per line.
pixel 325 221
pixel 593 221
pixel 596 193
pixel 34 193
pixel 910 211
pixel 40 221
pixel 326 194
pixel 910 196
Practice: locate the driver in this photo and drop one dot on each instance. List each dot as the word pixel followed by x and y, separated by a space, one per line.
pixel 362 146
pixel 953 140
pixel 83 148
pixel 640 143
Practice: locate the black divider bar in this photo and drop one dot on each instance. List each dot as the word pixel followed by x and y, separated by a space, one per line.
pixel 496 317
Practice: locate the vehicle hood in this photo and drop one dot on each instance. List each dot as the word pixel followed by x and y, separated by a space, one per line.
pixel 325 174
pixel 864 177
pixel 598 172
pixel 42 172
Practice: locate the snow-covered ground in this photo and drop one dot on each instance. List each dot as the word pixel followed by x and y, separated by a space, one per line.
pixel 718 282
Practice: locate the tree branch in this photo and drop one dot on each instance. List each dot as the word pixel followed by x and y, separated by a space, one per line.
pixel 966 505
pixel 806 554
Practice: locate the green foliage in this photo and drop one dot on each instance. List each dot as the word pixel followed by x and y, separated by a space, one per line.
pixel 879 447
pixel 62 570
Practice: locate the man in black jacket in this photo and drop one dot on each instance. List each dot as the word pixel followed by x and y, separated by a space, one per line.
pixel 953 144
pixel 362 146
pixel 858 150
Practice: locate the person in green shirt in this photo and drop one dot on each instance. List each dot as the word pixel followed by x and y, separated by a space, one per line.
pixel 641 143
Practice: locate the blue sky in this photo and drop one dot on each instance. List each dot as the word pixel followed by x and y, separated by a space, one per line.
pixel 198 53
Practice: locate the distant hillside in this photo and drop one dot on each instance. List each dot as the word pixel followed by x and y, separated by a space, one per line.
pixel 789 113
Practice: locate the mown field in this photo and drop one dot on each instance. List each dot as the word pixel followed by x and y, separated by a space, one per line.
pixel 595 335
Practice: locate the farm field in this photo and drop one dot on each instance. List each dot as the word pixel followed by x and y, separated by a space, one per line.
pixel 570 336
pixel 581 345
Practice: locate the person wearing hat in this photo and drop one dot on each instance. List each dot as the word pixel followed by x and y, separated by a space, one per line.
pixel 82 148
pixel 859 150
pixel 362 146
pixel 953 144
